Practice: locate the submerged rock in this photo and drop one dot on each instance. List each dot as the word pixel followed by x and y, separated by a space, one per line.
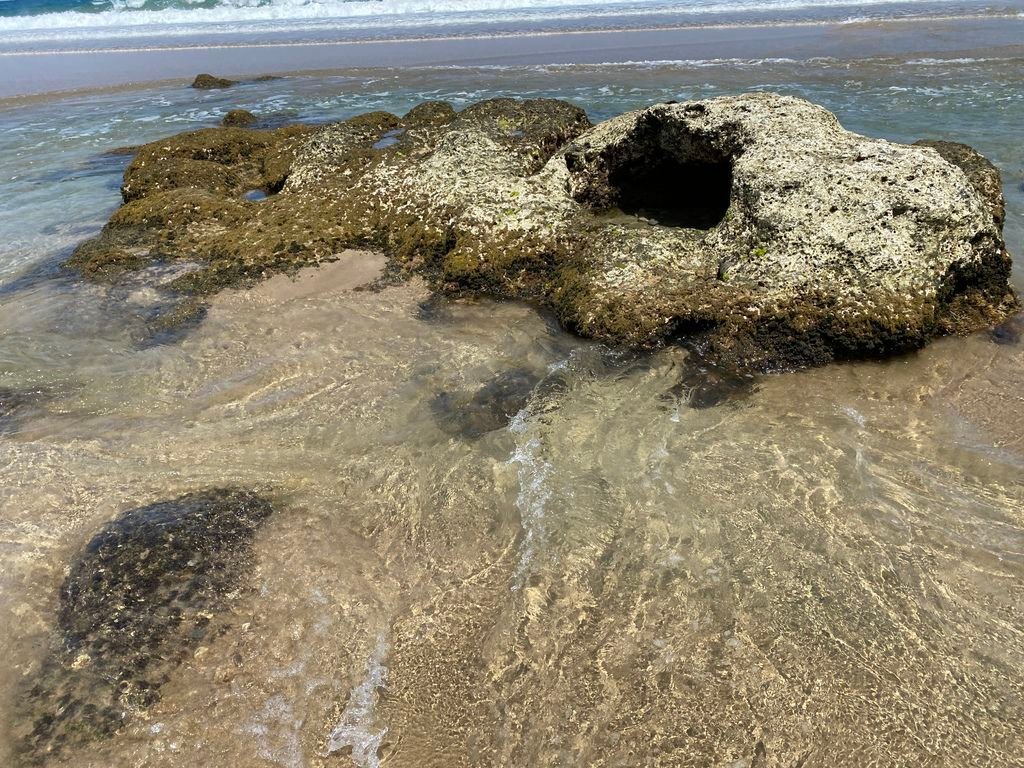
pixel 1009 332
pixel 16 405
pixel 150 587
pixel 705 385
pixel 473 413
pixel 209 82
pixel 238 118
pixel 755 223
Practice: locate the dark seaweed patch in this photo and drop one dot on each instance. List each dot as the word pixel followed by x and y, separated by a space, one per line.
pixel 149 587
pixel 17 405
pixel 472 414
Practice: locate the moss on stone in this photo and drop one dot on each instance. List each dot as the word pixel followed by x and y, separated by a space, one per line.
pixel 238 118
pixel 206 82
pixel 148 587
pixel 523 199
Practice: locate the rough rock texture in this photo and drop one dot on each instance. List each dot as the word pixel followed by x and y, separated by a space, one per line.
pixel 207 82
pixel 238 118
pixel 754 225
pixel 983 176
pixel 147 589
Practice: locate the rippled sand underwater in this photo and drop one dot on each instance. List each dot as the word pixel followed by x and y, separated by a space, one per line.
pixel 493 543
pixel 825 570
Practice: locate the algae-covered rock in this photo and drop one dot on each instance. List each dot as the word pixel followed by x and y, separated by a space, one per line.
pixel 754 226
pixel 208 82
pixel 238 118
pixel 149 588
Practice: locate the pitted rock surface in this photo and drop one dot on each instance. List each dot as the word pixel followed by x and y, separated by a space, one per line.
pixel 755 226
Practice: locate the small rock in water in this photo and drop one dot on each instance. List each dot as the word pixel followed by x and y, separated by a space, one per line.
pixel 434 309
pixel 208 82
pixel 703 385
pixel 15 406
pixel 1009 332
pixel 150 586
pixel 238 118
pixel 473 413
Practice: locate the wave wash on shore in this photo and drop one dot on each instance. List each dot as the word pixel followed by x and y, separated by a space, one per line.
pixel 25 21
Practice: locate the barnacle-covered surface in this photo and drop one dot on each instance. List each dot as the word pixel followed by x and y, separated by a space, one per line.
pixel 755 223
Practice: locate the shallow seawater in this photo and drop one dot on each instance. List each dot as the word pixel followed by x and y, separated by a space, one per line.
pixel 494 543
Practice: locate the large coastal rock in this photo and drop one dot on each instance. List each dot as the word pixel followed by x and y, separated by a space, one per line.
pixel 754 225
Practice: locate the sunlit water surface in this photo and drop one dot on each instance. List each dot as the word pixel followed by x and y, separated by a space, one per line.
pixel 826 570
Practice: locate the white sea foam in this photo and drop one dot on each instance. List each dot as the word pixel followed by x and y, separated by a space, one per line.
pixel 130 19
pixel 533 473
pixel 360 727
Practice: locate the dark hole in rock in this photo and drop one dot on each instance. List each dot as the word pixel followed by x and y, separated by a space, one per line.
pixel 672 192
pixel 473 413
pixel 255 195
pixel 147 588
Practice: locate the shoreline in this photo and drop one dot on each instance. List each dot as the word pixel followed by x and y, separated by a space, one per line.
pixel 68 73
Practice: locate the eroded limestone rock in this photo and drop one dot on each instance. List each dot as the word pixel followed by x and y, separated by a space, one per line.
pixel 149 588
pixel 755 226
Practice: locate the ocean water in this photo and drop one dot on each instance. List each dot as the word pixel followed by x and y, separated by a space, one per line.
pixel 823 569
pixel 46 24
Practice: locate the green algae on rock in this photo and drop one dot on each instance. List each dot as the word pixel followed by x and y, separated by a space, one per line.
pixel 147 589
pixel 753 225
pixel 238 118
pixel 208 82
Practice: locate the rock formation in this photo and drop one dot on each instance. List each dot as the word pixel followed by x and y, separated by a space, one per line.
pixel 207 82
pixel 238 118
pixel 753 226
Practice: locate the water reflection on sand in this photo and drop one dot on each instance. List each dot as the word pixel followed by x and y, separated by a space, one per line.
pixel 824 570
